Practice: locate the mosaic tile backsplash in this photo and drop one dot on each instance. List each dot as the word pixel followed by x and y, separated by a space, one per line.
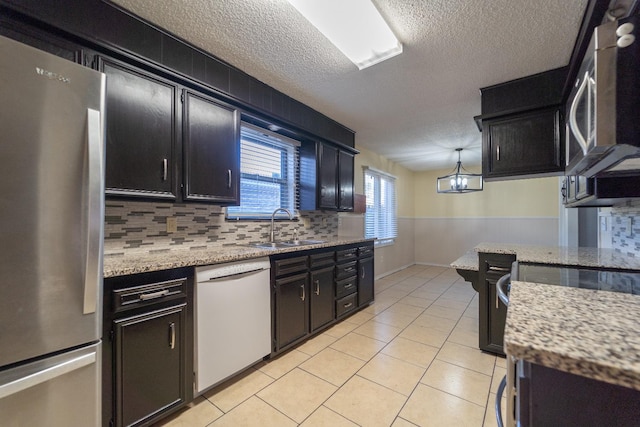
pixel 625 227
pixel 141 227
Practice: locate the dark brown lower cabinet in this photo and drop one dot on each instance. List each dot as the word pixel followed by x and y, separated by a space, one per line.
pixel 147 350
pixel 150 352
pixel 322 307
pixel 492 312
pixel 365 281
pixel 314 289
pixel 291 309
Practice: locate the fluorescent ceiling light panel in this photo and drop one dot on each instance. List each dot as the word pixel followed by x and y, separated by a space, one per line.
pixel 353 26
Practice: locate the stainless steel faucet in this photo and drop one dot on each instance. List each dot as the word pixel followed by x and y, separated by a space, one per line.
pixel 272 236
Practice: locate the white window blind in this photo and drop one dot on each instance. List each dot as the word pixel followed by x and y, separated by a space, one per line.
pixel 269 173
pixel 380 218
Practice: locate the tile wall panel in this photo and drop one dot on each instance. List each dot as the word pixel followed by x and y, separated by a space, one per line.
pixel 133 226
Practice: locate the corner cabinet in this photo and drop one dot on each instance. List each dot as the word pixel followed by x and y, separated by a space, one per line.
pixel 492 312
pixel 211 140
pixel 141 141
pixel 523 144
pixel 326 177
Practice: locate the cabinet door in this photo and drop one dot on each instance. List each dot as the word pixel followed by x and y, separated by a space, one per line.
pixel 523 144
pixel 497 316
pixel 322 298
pixel 291 309
pixel 345 181
pixel 211 151
pixel 327 176
pixel 365 281
pixel 149 364
pixel 141 137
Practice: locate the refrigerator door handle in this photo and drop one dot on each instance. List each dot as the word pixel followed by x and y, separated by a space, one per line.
pixel 45 375
pixel 94 217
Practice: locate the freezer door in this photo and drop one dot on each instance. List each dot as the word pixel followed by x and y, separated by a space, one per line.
pixel 51 202
pixel 60 391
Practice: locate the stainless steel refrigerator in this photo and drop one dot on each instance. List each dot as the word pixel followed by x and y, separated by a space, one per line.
pixel 51 231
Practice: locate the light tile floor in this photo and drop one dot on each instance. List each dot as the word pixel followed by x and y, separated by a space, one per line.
pixel 409 359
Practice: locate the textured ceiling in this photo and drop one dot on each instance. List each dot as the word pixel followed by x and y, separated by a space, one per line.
pixel 414 109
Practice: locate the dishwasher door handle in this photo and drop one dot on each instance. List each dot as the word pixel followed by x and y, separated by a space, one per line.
pixel 235 276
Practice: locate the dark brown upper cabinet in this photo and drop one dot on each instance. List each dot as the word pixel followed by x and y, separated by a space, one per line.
pixel 326 177
pixel 141 135
pixel 522 127
pixel 523 145
pixel 211 150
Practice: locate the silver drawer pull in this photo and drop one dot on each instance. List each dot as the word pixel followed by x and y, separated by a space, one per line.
pixel 348 285
pixel 303 293
pixel 350 304
pixel 317 282
pixel 172 335
pixel 349 269
pixel 153 295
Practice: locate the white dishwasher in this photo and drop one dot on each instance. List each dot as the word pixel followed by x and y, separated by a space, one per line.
pixel 233 319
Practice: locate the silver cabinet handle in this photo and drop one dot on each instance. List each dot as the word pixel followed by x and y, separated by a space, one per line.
pixel 228 178
pixel 165 169
pixel 317 287
pixel 362 275
pixel 303 294
pixel 501 289
pixel 153 295
pixel 348 285
pixel 347 305
pixel 95 210
pixel 498 153
pixel 172 335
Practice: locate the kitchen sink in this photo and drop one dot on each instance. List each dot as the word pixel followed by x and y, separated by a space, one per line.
pixel 285 244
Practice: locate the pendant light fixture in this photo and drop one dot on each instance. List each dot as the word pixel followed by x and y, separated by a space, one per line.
pixel 459 181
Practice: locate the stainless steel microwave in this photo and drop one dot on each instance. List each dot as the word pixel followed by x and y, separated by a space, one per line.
pixel 603 110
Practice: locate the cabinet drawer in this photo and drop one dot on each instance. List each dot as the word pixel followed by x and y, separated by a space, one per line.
pixel 346 270
pixel 346 255
pixel 283 267
pixel 365 251
pixel 346 304
pixel 320 260
pixel 346 287
pixel 137 296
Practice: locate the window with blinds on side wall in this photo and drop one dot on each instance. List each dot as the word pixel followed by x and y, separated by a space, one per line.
pixel 380 219
pixel 269 174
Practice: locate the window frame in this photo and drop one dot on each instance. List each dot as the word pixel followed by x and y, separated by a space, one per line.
pixel 289 182
pixel 390 224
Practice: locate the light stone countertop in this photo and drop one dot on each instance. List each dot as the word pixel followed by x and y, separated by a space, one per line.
pixel 580 331
pixel 468 261
pixel 563 255
pixel 142 262
pixel 559 255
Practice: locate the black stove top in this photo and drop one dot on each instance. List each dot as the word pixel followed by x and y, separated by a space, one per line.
pixel 578 277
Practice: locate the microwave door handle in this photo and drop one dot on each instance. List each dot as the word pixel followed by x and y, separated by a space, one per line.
pixel 573 123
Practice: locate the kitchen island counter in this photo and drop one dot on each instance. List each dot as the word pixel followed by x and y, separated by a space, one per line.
pixel 580 331
pixel 563 255
pixel 141 262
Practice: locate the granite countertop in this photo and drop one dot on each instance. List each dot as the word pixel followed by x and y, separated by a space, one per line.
pixel 563 255
pixel 580 331
pixel 139 262
pixel 468 261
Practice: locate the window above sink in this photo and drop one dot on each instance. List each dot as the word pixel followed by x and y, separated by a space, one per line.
pixel 269 174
